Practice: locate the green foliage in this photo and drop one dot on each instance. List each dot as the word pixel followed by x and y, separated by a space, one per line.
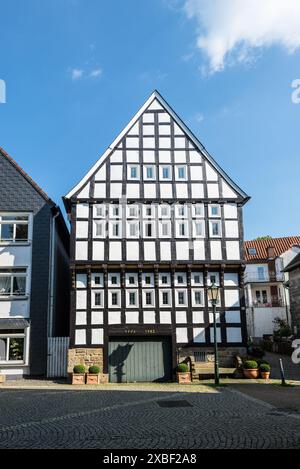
pixel 79 369
pixel 94 369
pixel 250 365
pixel 182 368
pixel 264 367
pixel 259 238
pixel 262 362
pixel 282 329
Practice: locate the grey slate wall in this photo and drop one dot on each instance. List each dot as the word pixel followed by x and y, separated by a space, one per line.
pixel 17 194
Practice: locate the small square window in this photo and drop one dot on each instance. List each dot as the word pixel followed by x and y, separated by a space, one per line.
pixel 148 280
pixel 215 229
pixel 164 279
pixel 180 279
pixel 132 298
pixel 133 172
pixel 252 251
pixel 131 280
pixel 181 298
pixel 198 298
pixel 97 280
pixel 114 280
pixel 148 298
pixel 214 210
pixel 115 299
pixel 197 279
pixel 149 172
pixel 165 298
pixel 181 172
pixel 166 172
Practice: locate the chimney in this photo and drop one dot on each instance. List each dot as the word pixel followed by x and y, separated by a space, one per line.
pixel 271 252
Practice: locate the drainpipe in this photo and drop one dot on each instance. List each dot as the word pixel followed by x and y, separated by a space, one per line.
pixel 51 273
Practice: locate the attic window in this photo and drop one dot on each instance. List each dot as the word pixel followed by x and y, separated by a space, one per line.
pixel 252 251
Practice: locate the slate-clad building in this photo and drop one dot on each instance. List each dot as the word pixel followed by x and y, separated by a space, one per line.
pixel 154 222
pixel 34 272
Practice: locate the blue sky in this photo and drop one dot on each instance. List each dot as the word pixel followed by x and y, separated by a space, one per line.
pixel 77 70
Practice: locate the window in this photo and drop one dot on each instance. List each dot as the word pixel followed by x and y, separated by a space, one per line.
pixel 114 280
pixel 115 298
pixel 213 279
pixel 12 282
pixel 252 251
pixel 180 279
pixel 132 298
pixel 181 172
pixel 260 273
pixel 198 297
pixel 97 299
pixel 148 230
pixel 147 280
pixel 215 228
pixel 97 280
pixel 166 172
pixel 164 279
pixel 165 229
pixel 149 172
pixel 133 211
pixel 165 211
pixel 133 230
pixel 131 280
pixel 182 229
pixel 100 211
pixel 115 210
pixel 148 211
pixel 12 346
pixel 149 298
pixel 181 297
pixel 198 210
pixel 14 228
pixel 116 230
pixel 261 296
pixel 133 172
pixel 181 210
pixel 99 229
pixel 199 228
pixel 197 278
pixel 165 298
pixel 214 210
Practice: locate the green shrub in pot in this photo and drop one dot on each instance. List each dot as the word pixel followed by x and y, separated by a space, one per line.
pixel 182 368
pixel 250 365
pixel 79 369
pixel 94 369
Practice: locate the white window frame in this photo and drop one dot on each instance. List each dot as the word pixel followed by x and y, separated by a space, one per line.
pixel 22 335
pixel 161 211
pixel 178 168
pixel 165 166
pixel 111 211
pixel 164 274
pixel 9 272
pixel 153 229
pixel 96 207
pixel 136 208
pixel 179 208
pixel 194 274
pixel 183 274
pixel 97 223
pixel 15 222
pixel 179 223
pixel 161 234
pixel 195 223
pixel 145 215
pixel 194 208
pixel 146 167
pixel 112 224
pixel 114 285
pixel 136 304
pixel 94 293
pixel 137 225
pixel 194 303
pixel 210 207
pixel 136 281
pixel 148 285
pixel 161 292
pixel 129 169
pixel 152 291
pixel 177 291
pixel 96 285
pixel 110 293
pixel 218 222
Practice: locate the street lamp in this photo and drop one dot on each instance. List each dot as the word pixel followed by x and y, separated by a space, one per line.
pixel 213 296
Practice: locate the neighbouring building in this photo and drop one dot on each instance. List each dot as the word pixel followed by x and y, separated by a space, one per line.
pixel 293 272
pixel 34 272
pixel 267 295
pixel 154 222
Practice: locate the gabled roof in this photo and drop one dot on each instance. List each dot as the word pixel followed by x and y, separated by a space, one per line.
pixel 157 96
pixel 26 176
pixel 261 246
pixel 293 264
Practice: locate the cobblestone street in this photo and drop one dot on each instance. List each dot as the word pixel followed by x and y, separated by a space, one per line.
pixel 142 419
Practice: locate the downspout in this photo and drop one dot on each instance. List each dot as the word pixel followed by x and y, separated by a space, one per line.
pixel 51 275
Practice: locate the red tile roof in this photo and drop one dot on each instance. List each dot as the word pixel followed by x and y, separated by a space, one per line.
pixel 280 246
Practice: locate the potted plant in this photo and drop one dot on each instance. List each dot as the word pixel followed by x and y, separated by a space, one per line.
pixel 78 375
pixel 265 370
pixel 250 369
pixel 92 377
pixel 183 374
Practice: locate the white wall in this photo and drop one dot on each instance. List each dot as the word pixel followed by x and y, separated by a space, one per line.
pixel 260 320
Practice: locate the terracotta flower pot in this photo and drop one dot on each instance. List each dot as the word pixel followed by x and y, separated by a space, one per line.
pixel 251 374
pixel 78 378
pixel 265 374
pixel 92 378
pixel 183 378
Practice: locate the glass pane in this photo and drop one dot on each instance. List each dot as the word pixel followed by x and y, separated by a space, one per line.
pixel 14 217
pixel 16 349
pixel 21 232
pixel 7 232
pixel 3 344
pixel 19 285
pixel 5 285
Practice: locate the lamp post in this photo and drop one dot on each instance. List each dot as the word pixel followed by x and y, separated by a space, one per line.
pixel 213 296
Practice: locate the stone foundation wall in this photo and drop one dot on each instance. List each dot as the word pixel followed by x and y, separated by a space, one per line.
pixel 226 354
pixel 85 356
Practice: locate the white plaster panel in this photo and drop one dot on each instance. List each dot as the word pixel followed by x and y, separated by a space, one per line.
pixel 80 318
pixel 211 174
pixel 134 129
pixel 198 317
pixel 182 250
pixel 97 336
pixel 132 142
pixel 132 251
pixel 196 173
pixel 231 229
pixel 97 317
pixel 165 317
pixel 163 117
pixel 81 253
pixel 165 251
pixel 116 156
pixel 132 156
pixel 99 190
pixel 148 142
pixel 114 317
pixel 148 130
pixel 233 250
pixel 215 250
pixel 227 191
pixel 197 191
pixel 84 193
pixel 234 334
pixel 150 191
pixel 149 250
pixel 179 142
pixel 149 317
pixel 116 190
pixel 164 156
pixel 116 172
pixel 182 191
pixel 81 299
pixel 177 129
pixel 132 317
pixel 199 335
pixel 166 191
pixel 230 211
pixel 98 251
pixel 232 298
pixel 149 156
pixel 82 228
pixel 195 156
pixel 180 156
pixel 233 317
pixel 101 174
pixel 82 210
pixel 115 251
pixel 181 317
pixel 164 130
pixel 164 142
pixel 133 191
pixel 213 191
pixel 148 117
pixel 80 337
pixel 181 335
pixel 199 250
pixel 155 106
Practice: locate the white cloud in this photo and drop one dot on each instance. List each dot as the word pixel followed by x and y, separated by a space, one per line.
pixel 230 31
pixel 76 73
pixel 96 73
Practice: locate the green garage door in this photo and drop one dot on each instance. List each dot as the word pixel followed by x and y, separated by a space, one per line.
pixel 139 359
